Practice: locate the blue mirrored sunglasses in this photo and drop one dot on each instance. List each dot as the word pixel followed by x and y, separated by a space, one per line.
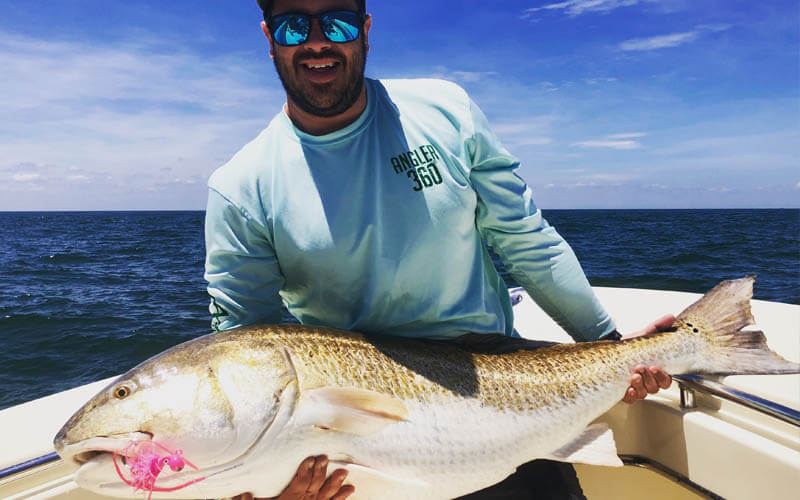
pixel 338 26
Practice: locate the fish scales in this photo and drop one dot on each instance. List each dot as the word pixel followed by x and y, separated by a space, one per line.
pixel 524 379
pixel 406 418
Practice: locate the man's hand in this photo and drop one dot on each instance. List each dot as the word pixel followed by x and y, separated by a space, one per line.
pixel 648 379
pixel 309 483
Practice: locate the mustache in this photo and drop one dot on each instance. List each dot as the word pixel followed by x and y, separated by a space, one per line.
pixel 327 52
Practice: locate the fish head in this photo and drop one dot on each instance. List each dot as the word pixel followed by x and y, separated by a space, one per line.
pixel 211 399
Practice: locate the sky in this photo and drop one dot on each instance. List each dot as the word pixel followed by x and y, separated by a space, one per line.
pixel 112 105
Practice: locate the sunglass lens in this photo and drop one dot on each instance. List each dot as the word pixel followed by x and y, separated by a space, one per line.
pixel 290 29
pixel 340 26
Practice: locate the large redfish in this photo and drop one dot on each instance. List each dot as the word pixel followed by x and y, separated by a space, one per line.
pixel 408 419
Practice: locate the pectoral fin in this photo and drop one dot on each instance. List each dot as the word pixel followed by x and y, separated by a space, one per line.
pixel 595 446
pixel 356 411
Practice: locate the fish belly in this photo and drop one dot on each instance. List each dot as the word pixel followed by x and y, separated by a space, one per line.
pixel 453 447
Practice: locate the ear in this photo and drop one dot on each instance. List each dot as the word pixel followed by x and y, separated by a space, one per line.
pixel 265 29
pixel 367 26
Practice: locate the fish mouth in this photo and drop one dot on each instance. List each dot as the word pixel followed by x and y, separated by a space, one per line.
pixel 86 451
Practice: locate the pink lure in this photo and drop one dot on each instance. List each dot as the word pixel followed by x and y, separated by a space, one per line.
pixel 145 462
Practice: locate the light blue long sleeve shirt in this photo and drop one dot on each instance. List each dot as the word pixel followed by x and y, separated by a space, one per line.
pixel 379 227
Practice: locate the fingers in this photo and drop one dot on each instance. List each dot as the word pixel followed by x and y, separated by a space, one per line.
pixel 637 384
pixel 630 396
pixel 649 380
pixel 309 482
pixel 318 472
pixel 333 489
pixel 296 490
pixel 654 378
pixel 663 323
pixel 644 381
pixel 663 378
pixel 344 492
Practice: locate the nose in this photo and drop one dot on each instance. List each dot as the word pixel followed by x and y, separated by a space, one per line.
pixel 60 441
pixel 316 40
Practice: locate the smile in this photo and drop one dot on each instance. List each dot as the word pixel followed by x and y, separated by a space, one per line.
pixel 321 70
pixel 320 65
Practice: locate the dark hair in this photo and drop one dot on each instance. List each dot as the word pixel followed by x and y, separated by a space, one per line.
pixel 266 7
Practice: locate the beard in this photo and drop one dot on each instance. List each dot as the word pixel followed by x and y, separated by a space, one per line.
pixel 328 99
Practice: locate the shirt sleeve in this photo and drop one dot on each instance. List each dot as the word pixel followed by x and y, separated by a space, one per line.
pixel 241 267
pixel 535 255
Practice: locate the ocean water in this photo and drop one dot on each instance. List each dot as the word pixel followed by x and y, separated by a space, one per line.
pixel 86 295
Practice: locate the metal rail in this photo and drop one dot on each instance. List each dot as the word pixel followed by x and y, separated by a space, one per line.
pixel 690 383
pixel 34 462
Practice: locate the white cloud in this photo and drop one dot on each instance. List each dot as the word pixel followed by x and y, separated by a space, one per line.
pixel 753 150
pixel 548 86
pixel 577 7
pixel 96 121
pixel 533 131
pixel 610 178
pixel 534 141
pixel 445 73
pixel 672 39
pixel 597 81
pixel 611 144
pixel 630 135
pixel 472 76
pixel 597 180
pixel 658 42
pixel 714 28
pixel 797 186
pixel 25 177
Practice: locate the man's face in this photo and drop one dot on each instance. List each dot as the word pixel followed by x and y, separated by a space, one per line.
pixel 322 77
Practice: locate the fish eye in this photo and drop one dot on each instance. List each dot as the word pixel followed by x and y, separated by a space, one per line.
pixel 122 392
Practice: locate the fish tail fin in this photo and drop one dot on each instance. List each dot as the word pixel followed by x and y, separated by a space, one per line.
pixel 718 317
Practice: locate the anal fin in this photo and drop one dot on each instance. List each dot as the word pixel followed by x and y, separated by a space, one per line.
pixel 595 446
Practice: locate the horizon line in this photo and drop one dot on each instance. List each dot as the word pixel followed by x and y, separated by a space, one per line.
pixel 123 210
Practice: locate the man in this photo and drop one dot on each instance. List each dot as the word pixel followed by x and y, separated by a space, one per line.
pixel 365 206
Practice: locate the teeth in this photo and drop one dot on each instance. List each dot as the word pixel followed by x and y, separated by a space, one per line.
pixel 320 66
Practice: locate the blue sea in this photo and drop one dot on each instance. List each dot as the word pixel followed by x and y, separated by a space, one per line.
pixel 86 295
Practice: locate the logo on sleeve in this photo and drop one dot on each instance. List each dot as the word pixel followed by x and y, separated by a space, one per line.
pixel 419 166
pixel 218 314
